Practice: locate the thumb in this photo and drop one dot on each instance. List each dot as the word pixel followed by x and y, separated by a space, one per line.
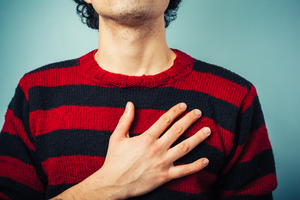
pixel 122 129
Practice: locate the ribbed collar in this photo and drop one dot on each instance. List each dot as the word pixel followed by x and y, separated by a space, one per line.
pixel 180 69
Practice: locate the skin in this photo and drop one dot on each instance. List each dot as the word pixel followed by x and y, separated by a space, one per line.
pixel 132 37
pixel 132 42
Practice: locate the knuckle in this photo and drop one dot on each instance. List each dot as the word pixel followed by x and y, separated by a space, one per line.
pixel 184 147
pixel 185 170
pixel 177 128
pixel 166 119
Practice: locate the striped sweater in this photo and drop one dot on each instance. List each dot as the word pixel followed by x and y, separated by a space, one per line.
pixel 58 125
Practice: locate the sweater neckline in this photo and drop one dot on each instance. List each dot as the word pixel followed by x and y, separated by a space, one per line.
pixel 181 68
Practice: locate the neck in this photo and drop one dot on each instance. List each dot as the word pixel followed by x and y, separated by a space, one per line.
pixel 135 51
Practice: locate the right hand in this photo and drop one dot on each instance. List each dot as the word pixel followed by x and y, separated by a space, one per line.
pixel 137 165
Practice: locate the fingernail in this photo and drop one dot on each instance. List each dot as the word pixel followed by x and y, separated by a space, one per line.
pixel 205 162
pixel 206 131
pixel 197 112
pixel 182 106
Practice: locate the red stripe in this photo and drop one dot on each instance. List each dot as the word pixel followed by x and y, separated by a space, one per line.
pixel 247 102
pixel 260 139
pixel 57 77
pixel 74 169
pixel 106 119
pixel 20 172
pixel 247 151
pixel 215 86
pixel 259 187
pixel 23 85
pixel 4 197
pixel 197 183
pixel 202 82
pixel 15 126
pixel 71 169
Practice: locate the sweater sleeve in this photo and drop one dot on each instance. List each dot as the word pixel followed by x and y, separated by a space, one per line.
pixel 19 177
pixel 249 170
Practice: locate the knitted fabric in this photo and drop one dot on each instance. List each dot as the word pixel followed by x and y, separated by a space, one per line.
pixel 58 124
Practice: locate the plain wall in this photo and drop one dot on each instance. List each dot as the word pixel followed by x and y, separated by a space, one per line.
pixel 258 39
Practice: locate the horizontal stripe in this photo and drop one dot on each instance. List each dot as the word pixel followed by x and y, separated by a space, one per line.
pixel 19 103
pixel 258 118
pixel 13 146
pixel 159 193
pixel 155 98
pixel 250 197
pixel 20 107
pixel 221 72
pixel 260 187
pixel 106 119
pixel 71 169
pixel 15 126
pixel 162 193
pixel 203 150
pixel 201 182
pixel 66 73
pixel 95 143
pixel 21 172
pixel 257 142
pixel 201 185
pixel 3 196
pixel 73 142
pixel 214 86
pixel 201 82
pixel 15 190
pixel 244 173
pixel 248 100
pixel 249 121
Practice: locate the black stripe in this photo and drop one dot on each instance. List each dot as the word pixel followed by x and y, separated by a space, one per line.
pixel 161 193
pixel 203 150
pixel 156 194
pixel 250 197
pixel 62 64
pixel 221 72
pixel 20 107
pixel 250 120
pixel 44 98
pixel 16 190
pixel 13 146
pixel 72 142
pixel 95 143
pixel 242 174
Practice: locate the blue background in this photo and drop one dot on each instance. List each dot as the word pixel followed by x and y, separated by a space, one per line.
pixel 258 39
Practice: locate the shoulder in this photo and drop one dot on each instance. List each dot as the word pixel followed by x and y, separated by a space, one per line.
pixel 49 75
pixel 55 65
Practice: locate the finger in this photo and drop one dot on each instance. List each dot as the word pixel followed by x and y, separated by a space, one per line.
pixel 179 128
pixel 187 169
pixel 166 119
pixel 122 129
pixel 187 145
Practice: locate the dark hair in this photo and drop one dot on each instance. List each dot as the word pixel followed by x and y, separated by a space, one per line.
pixel 91 18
